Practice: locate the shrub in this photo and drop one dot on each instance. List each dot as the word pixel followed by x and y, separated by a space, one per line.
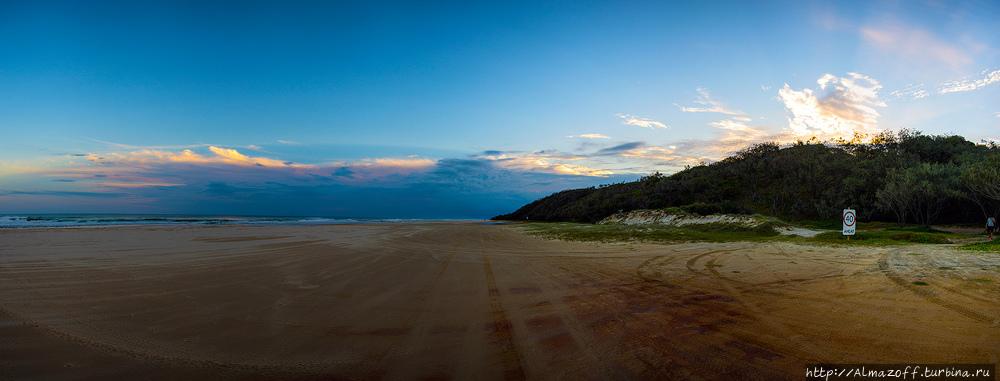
pixel 766 229
pixel 703 209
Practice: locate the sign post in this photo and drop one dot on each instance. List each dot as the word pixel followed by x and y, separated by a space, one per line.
pixel 850 222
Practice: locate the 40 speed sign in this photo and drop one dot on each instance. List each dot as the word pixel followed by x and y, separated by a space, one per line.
pixel 850 221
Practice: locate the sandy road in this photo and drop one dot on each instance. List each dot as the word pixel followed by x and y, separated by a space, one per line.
pixel 471 301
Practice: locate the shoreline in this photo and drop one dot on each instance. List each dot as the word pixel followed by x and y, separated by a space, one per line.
pixel 59 220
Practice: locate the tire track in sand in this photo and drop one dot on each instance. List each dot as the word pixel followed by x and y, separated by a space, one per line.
pixel 923 292
pixel 759 314
pixel 512 361
pixel 384 356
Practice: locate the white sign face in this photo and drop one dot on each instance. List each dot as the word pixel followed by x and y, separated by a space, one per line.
pixel 850 220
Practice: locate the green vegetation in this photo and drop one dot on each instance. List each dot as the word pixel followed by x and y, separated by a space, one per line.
pixel 720 232
pixel 920 283
pixel 658 233
pixel 890 236
pixel 993 245
pixel 892 178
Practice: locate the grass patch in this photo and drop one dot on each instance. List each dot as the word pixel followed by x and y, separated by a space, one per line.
pixel 717 232
pixel 920 283
pixel 890 236
pixel 712 265
pixel 822 224
pixel 993 245
pixel 725 232
pixel 839 224
pixel 982 280
pixel 945 268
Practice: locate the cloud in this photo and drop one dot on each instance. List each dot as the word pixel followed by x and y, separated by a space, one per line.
pixel 62 194
pixel 848 106
pixel 131 147
pixel 915 47
pixel 222 156
pixel 714 106
pixel 733 124
pixel 909 92
pixel 552 162
pixel 590 136
pixel 970 83
pixel 136 185
pixel 620 148
pixel 655 153
pixel 344 172
pixel 632 120
pixel 162 168
pixel 221 180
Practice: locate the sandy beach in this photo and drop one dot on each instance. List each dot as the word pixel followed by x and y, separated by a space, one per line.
pixel 465 300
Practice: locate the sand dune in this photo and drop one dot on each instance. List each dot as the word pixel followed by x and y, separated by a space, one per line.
pixel 460 300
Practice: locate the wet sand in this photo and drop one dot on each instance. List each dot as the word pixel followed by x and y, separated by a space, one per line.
pixel 460 300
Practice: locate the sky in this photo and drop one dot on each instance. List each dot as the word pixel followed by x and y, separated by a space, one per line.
pixel 438 109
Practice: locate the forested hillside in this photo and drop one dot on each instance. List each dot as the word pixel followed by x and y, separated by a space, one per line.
pixel 902 177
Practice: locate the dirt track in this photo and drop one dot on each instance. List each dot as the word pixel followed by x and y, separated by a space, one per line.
pixel 473 301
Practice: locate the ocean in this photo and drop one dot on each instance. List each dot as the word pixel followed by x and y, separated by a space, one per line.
pixel 70 220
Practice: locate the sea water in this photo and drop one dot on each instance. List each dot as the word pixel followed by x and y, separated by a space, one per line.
pixel 69 220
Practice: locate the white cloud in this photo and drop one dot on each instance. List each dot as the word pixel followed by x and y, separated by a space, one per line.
pixel 154 168
pixel 713 106
pixel 730 124
pixel 590 136
pixel 848 106
pixel 632 120
pixel 547 162
pixel 910 92
pixel 654 153
pixel 969 84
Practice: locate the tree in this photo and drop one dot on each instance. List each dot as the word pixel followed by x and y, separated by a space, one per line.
pixel 982 183
pixel 897 195
pixel 935 186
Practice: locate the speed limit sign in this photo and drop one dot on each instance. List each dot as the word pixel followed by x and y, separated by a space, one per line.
pixel 850 221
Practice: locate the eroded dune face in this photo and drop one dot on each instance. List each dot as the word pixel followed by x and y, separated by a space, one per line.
pixel 652 217
pixel 470 301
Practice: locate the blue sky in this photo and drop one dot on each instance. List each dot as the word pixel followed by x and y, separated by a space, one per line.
pixel 453 109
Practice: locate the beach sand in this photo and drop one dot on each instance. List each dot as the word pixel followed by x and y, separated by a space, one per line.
pixel 463 300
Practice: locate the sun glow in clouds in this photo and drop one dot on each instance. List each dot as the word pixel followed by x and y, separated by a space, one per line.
pixel 847 107
pixel 545 162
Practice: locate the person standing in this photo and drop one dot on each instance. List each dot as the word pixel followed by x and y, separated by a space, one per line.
pixel 991 225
